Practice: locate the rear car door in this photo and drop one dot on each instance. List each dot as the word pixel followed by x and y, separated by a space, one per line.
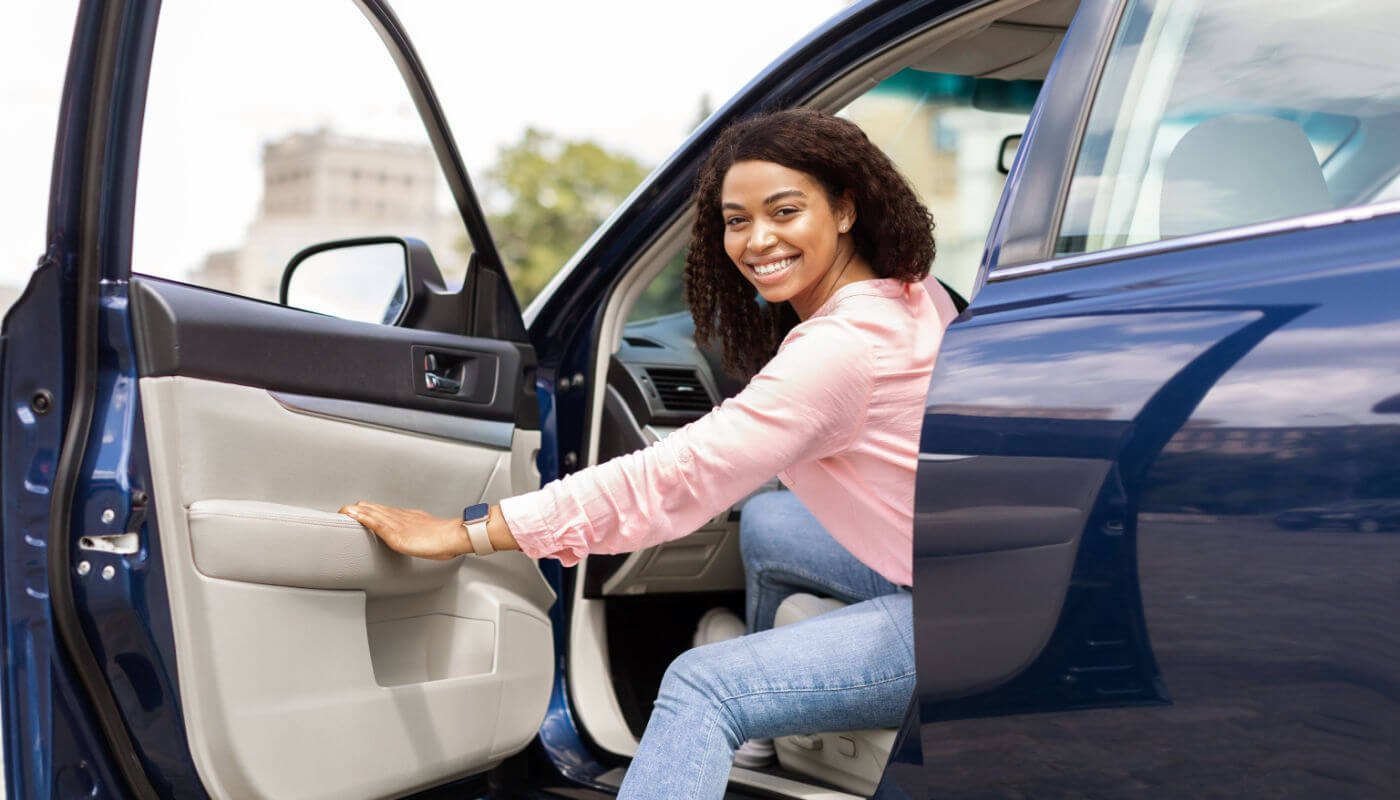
pixel 1149 560
pixel 186 613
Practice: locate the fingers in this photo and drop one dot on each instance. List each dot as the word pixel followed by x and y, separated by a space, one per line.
pixel 367 514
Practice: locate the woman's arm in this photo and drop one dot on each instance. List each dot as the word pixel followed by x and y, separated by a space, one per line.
pixel 807 402
pixel 420 534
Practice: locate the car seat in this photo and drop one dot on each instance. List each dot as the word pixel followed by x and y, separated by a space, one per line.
pixel 1240 169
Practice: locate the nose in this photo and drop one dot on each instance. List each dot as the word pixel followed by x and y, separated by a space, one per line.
pixel 761 237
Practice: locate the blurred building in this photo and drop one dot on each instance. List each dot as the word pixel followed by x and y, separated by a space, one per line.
pixel 320 186
pixel 8 296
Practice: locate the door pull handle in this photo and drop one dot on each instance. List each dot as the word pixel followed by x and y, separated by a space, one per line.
pixel 434 378
pixel 438 383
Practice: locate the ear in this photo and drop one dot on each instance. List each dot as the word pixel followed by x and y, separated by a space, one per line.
pixel 845 208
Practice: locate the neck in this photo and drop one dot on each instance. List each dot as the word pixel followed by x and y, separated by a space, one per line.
pixel 848 268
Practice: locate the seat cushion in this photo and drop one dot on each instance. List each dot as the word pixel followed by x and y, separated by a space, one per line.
pixel 852 760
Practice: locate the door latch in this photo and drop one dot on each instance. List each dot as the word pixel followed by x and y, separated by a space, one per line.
pixel 124 544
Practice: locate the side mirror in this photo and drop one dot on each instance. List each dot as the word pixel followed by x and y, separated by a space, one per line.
pixel 1007 156
pixel 379 279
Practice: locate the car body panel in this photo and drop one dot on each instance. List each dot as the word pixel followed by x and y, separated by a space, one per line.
pixel 1226 383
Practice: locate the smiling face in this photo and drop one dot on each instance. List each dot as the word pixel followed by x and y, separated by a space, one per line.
pixel 786 236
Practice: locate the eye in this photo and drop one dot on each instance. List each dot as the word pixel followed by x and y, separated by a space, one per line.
pixel 734 221
pixel 785 211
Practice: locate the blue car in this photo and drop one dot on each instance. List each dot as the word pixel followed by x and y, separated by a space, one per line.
pixel 1174 229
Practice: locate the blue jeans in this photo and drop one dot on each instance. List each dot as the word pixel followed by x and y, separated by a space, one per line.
pixel 848 669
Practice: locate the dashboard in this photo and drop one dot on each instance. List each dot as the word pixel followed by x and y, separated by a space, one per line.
pixel 658 381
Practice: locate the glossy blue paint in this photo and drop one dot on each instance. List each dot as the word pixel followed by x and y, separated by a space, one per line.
pixel 1226 384
pixel 31 441
pixel 127 618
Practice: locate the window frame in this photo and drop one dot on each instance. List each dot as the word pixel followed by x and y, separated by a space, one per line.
pixel 1021 222
pixel 1320 219
pixel 1028 217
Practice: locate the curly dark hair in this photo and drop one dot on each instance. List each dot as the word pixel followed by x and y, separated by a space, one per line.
pixel 893 231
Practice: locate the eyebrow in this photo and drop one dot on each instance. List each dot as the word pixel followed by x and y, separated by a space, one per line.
pixel 770 199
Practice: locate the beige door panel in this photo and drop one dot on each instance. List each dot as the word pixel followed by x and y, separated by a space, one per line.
pixel 313 661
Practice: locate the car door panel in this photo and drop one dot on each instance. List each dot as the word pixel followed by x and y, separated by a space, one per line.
pixel 1022 470
pixel 199 619
pixel 992 581
pixel 1224 383
pixel 189 331
pixel 315 662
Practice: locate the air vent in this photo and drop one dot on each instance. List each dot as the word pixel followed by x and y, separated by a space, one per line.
pixel 637 341
pixel 680 389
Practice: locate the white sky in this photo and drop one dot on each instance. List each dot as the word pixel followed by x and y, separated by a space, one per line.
pixel 627 74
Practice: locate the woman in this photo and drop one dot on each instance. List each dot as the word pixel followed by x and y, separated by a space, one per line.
pixel 802 207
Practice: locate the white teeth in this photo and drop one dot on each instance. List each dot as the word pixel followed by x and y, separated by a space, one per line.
pixel 769 269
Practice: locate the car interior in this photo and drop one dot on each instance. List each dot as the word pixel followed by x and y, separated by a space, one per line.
pixel 633 613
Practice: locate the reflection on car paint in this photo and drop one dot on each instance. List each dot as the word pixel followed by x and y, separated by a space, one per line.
pixel 1274 647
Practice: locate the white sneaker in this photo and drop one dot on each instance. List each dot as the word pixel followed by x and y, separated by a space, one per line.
pixel 754 754
pixel 719 624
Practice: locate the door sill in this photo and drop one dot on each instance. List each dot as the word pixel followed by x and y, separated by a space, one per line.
pixel 741 778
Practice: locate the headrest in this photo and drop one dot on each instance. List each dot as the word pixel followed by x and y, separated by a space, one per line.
pixel 1237 170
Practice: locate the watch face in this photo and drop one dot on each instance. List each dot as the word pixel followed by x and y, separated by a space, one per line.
pixel 476 513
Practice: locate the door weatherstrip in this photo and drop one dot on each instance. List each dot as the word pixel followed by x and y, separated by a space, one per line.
pixel 103 110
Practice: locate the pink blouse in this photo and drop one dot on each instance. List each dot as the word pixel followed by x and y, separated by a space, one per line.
pixel 836 415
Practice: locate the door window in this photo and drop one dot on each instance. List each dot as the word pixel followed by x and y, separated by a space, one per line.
pixel 1212 115
pixel 945 133
pixel 271 127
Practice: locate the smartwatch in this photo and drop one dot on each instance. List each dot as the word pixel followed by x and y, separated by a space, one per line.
pixel 474 520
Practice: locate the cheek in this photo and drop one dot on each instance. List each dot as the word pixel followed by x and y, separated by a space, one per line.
pixel 734 244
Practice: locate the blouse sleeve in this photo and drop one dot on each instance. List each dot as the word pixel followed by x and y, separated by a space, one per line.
pixel 808 402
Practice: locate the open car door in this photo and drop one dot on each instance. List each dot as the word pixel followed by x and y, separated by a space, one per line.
pixel 175 470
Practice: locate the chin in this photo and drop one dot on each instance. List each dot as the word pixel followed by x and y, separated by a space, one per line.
pixel 773 295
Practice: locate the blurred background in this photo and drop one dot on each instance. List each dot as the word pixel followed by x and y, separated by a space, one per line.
pixel 271 124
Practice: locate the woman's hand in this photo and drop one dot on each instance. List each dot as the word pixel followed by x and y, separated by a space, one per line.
pixel 412 532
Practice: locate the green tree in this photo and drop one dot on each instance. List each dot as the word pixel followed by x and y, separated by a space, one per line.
pixel 553 193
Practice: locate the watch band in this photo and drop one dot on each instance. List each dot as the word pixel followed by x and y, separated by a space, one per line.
pixel 474 520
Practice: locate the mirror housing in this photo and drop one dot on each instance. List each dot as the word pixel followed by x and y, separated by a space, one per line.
pixel 388 280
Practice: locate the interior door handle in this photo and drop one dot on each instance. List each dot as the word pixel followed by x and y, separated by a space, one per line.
pixel 434 378
pixel 460 375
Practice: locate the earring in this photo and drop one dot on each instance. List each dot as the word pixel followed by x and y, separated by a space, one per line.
pixel 845 227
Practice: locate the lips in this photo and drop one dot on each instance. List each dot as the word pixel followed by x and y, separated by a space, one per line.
pixel 772 268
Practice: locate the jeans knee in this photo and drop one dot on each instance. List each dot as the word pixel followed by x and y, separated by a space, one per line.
pixel 691 680
pixel 695 688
